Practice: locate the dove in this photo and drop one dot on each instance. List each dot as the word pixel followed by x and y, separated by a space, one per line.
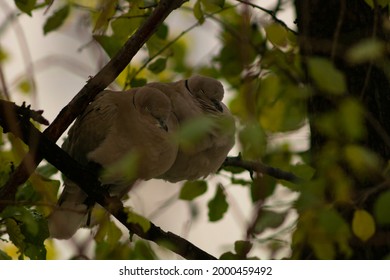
pixel 115 128
pixel 196 97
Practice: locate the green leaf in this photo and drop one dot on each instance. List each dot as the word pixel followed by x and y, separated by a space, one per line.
pixel 382 208
pixel 363 225
pixel 217 205
pixel 269 219
pixel 28 230
pixel 56 20
pixel 162 31
pixel 277 34
pixel 242 247
pixel 303 171
pixel 125 25
pixel 229 256
pixel 326 76
pixel 107 11
pixel 154 45
pixel 365 51
pixel 198 12
pixel 24 86
pixel 110 44
pixel 135 218
pixel 15 234
pixel 253 140
pixel 331 221
pixel 138 82
pixel 382 3
pixel 323 249
pixel 351 119
pixel 26 6
pixel 126 168
pixel 192 189
pixel 3 55
pixel 108 232
pixel 194 131
pixel 143 251
pixel 361 160
pixel 4 256
pixel 47 170
pixel 158 66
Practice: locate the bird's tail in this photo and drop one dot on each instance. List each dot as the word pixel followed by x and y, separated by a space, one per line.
pixel 70 214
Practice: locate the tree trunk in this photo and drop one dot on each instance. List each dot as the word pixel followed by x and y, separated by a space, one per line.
pixel 328 29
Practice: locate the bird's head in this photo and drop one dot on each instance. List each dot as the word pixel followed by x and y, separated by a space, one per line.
pixel 153 105
pixel 208 91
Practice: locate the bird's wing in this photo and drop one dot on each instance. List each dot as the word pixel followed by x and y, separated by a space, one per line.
pixel 91 127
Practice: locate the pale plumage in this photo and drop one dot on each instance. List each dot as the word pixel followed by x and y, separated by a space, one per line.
pixel 114 126
pixel 196 97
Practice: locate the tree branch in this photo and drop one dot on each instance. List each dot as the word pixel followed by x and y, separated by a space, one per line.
pixel 95 85
pixel 269 12
pixel 255 166
pixel 89 183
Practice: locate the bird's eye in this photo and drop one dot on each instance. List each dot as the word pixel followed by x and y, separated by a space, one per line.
pixel 217 105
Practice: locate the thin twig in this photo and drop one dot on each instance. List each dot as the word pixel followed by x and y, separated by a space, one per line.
pixel 3 83
pixel 337 31
pixel 367 77
pixel 170 43
pixel 25 51
pixel 269 12
pixel 256 166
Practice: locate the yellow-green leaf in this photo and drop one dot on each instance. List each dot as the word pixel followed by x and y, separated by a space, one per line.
pixel 326 76
pixel 110 44
pixel 193 132
pixel 253 140
pixel 381 3
pixel 276 34
pixel 15 233
pixel 198 12
pixel 138 219
pixel 360 159
pixel 363 225
pixel 367 50
pixel 24 86
pixel 303 171
pixel 107 11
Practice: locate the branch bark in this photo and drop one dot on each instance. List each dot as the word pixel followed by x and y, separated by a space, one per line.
pixel 95 85
pixel 88 181
pixel 255 166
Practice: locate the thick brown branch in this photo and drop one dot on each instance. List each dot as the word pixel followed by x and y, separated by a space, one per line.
pixel 87 180
pixel 95 85
pixel 255 166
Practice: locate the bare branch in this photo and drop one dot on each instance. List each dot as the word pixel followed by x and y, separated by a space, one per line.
pixel 256 166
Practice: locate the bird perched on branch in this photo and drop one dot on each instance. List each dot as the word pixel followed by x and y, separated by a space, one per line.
pixel 196 98
pixel 117 131
pixel 129 134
